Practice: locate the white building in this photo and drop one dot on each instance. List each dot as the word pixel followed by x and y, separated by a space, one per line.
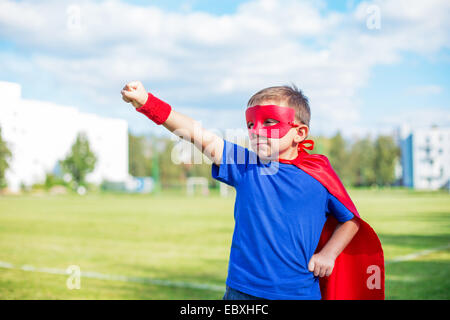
pixel 425 157
pixel 40 133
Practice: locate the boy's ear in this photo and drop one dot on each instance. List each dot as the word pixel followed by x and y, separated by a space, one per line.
pixel 302 133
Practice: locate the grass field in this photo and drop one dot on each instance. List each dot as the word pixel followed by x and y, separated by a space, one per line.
pixel 172 237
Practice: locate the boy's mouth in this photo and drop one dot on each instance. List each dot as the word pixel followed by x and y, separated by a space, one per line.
pixel 259 142
pixel 260 145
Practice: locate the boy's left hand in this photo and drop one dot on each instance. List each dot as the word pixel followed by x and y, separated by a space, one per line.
pixel 321 264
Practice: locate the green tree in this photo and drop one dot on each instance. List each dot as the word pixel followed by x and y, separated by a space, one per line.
pixel 5 157
pixel 139 156
pixel 321 145
pixel 80 161
pixel 339 156
pixel 386 153
pixel 52 180
pixel 362 158
pixel 172 174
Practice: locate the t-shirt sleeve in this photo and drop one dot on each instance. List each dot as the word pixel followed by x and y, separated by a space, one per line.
pixel 235 160
pixel 337 209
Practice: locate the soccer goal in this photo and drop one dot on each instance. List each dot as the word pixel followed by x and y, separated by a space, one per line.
pixel 202 182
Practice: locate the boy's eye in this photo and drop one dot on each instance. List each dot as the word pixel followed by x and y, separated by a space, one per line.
pixel 267 123
pixel 270 122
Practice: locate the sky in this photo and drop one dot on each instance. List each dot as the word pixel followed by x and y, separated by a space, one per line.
pixel 366 67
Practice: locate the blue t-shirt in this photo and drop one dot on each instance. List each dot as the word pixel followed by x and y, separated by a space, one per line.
pixel 279 215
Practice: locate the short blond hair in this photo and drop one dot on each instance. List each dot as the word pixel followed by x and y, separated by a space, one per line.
pixel 293 96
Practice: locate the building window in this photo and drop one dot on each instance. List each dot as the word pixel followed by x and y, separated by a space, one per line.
pixel 427 149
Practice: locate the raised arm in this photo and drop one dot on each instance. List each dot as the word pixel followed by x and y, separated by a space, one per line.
pixel 183 126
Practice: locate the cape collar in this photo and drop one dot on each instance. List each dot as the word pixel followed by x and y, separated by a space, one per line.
pixel 301 152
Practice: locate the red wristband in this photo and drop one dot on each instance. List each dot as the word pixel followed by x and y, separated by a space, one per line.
pixel 155 109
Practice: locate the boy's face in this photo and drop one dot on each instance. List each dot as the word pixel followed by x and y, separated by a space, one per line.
pixel 273 147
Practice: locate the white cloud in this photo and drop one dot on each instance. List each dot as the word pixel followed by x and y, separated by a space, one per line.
pixel 423 118
pixel 430 89
pixel 188 57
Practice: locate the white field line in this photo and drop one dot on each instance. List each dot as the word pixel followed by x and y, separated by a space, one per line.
pixel 179 284
pixel 417 254
pixel 102 276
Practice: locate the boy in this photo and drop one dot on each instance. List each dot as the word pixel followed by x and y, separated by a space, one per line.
pixel 293 217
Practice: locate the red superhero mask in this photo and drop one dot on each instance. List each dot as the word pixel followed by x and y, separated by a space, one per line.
pixel 259 114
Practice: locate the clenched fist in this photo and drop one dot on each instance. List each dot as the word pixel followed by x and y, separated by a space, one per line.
pixel 135 93
pixel 321 264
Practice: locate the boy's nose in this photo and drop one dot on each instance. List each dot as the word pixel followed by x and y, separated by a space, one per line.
pixel 257 130
pixel 252 134
pixel 255 135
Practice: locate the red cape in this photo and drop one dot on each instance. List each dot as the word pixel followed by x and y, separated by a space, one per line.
pixel 358 271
